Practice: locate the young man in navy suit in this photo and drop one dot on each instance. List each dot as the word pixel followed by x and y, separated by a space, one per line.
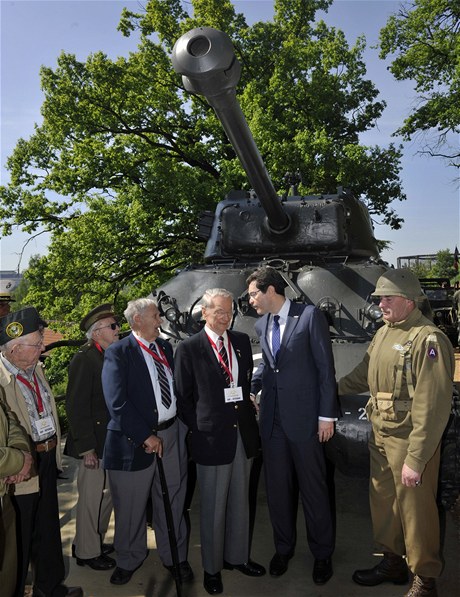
pixel 298 407
pixel 213 375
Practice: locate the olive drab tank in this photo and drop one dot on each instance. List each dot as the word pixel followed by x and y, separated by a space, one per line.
pixel 323 245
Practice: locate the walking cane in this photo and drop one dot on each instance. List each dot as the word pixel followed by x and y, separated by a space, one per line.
pixel 170 525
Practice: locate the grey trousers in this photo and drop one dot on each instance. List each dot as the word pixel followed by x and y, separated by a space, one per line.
pixel 224 511
pixel 94 507
pixel 130 493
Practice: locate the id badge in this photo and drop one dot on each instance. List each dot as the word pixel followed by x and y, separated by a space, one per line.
pixel 45 426
pixel 233 394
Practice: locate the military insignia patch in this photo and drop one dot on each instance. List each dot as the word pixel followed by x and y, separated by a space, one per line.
pixel 14 329
pixel 432 352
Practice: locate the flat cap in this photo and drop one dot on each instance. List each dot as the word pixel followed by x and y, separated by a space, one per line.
pixel 20 323
pixel 100 312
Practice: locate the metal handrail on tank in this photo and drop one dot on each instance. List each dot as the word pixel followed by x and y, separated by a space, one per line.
pixel 206 60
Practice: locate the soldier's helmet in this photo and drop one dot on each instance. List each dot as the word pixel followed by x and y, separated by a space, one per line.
pixel 399 282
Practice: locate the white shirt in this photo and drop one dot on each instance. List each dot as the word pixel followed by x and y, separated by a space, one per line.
pixel 233 360
pixel 164 414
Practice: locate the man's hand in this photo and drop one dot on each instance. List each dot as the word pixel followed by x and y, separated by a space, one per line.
pixel 325 430
pixel 91 460
pixel 410 478
pixel 153 444
pixel 254 402
pixel 25 473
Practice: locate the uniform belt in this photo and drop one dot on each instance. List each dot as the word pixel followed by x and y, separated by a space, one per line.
pixel 47 445
pixel 165 424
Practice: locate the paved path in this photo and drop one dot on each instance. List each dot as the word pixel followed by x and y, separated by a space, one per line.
pixel 354 550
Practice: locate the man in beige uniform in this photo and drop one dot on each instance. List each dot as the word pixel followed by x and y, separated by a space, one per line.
pixel 15 467
pixel 408 369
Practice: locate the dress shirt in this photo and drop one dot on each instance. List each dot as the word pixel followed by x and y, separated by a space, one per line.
pixel 283 315
pixel 234 361
pixel 164 414
pixel 31 399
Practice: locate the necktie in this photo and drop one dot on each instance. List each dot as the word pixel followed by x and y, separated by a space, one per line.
pixel 276 340
pixel 224 356
pixel 162 379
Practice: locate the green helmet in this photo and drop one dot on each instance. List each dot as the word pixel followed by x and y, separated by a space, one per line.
pixel 399 282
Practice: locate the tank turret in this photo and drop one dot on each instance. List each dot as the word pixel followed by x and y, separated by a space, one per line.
pixel 261 223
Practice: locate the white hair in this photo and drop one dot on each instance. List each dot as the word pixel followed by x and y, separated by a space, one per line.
pixel 208 296
pixel 136 307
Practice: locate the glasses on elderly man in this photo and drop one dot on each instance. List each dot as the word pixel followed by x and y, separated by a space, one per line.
pixel 112 326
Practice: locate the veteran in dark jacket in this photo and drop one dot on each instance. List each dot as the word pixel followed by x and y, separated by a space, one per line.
pixel 88 417
pixel 212 376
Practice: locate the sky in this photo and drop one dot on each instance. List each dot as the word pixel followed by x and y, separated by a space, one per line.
pixel 35 32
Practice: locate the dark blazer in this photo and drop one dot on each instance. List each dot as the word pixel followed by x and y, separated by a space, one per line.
pixel 200 383
pixel 303 378
pixel 87 412
pixel 130 398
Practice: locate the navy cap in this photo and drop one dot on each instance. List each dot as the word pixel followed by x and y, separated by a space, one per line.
pixel 20 323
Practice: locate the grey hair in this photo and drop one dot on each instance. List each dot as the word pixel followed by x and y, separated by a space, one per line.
pixel 90 330
pixel 208 296
pixel 136 307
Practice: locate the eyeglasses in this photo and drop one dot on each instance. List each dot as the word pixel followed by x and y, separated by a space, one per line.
pixel 38 345
pixel 112 326
pixel 254 293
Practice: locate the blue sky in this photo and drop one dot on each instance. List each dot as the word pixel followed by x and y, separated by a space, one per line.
pixel 34 32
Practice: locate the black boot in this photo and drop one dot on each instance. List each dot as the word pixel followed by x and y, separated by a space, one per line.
pixel 392 568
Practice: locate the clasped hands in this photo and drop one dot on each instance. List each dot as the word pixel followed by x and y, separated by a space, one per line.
pixel 25 473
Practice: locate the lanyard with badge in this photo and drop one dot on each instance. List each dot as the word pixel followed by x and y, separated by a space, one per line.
pixel 160 357
pixel 45 424
pixel 234 393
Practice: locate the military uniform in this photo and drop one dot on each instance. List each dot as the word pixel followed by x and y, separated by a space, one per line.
pixel 408 369
pixel 88 418
pixel 13 441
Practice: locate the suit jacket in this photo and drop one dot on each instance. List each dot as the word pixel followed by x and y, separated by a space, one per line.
pixel 200 383
pixel 87 412
pixel 130 398
pixel 302 381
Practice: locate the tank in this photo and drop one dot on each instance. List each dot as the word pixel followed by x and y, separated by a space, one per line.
pixel 323 245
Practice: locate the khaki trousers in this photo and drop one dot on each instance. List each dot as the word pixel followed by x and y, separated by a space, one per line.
pixel 405 519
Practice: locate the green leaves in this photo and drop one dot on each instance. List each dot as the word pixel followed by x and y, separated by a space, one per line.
pixel 424 40
pixel 125 160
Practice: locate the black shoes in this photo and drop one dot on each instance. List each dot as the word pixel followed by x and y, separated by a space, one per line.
pixel 250 568
pixel 392 568
pixel 106 549
pixel 121 576
pixel 185 571
pixel 322 571
pixel 279 564
pixel 100 563
pixel 213 583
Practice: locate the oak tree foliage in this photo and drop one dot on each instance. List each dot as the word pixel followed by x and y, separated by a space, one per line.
pixel 124 159
pixel 423 39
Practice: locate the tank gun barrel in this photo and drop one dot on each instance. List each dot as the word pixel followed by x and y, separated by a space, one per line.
pixel 206 60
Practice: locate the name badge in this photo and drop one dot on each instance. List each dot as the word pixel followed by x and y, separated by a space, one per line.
pixel 233 394
pixel 45 426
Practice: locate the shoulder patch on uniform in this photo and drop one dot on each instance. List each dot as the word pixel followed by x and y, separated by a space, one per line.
pixel 432 346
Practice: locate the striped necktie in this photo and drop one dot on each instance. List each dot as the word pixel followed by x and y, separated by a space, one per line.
pixel 276 339
pixel 162 379
pixel 224 356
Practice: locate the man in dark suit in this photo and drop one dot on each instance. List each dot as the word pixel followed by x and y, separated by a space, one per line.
pixel 212 377
pixel 88 416
pixel 137 379
pixel 298 407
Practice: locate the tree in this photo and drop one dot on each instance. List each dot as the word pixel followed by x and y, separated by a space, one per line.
pixel 124 159
pixel 425 37
pixel 444 265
